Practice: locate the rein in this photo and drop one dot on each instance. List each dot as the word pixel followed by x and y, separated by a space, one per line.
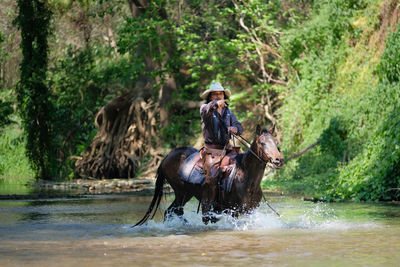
pixel 248 146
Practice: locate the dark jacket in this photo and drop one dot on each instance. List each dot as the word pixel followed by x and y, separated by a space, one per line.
pixel 215 126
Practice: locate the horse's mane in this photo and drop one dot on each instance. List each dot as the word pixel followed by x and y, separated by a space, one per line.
pixel 266 129
pixel 239 160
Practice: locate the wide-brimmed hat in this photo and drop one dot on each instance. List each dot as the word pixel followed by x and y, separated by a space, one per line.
pixel 215 87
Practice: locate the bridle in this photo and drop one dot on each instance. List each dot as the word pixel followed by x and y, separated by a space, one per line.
pixel 259 155
pixel 248 146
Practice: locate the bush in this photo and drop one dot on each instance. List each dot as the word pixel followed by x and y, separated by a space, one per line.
pixel 332 140
pixel 5 112
pixel 389 66
pixel 13 162
pixel 375 172
pixel 336 96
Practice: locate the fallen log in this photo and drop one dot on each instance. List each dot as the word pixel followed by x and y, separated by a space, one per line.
pixel 301 152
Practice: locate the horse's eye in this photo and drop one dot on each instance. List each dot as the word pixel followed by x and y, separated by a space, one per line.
pixel 279 149
pixel 263 144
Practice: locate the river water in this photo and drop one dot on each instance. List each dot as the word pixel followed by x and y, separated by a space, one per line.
pixel 96 231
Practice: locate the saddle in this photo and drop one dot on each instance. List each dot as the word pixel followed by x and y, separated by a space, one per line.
pixel 191 170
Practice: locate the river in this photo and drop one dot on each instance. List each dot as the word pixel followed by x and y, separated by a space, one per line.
pixel 96 231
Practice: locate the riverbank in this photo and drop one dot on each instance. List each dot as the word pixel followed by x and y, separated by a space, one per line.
pixel 79 188
pixel 84 187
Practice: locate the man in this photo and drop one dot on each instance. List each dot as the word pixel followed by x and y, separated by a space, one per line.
pixel 218 123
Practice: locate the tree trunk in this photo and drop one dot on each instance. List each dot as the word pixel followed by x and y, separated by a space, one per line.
pixel 127 125
pixel 126 129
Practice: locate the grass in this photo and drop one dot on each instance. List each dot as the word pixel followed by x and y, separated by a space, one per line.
pixel 15 171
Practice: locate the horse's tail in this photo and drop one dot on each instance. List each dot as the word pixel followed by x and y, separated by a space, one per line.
pixel 158 192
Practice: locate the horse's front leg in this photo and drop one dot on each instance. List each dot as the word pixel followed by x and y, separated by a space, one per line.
pixel 208 215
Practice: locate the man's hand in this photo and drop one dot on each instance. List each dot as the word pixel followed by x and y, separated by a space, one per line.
pixel 232 130
pixel 221 103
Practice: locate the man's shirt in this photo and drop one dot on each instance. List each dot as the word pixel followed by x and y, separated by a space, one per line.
pixel 215 126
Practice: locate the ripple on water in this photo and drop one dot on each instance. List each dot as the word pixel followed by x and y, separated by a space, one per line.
pixel 319 217
pixel 81 220
pixel 98 232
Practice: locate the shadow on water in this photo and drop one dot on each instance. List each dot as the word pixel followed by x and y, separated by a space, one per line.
pixel 25 188
pixel 15 185
pixel 34 216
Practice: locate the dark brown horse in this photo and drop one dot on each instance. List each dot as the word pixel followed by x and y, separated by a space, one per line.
pixel 245 194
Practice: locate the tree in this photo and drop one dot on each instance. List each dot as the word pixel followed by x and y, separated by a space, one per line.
pixel 127 124
pixel 32 93
pixel 5 107
pixel 175 50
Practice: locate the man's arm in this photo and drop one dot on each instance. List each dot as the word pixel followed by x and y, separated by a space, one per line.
pixel 236 124
pixel 206 110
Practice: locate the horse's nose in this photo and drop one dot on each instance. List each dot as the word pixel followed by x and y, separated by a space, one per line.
pixel 278 161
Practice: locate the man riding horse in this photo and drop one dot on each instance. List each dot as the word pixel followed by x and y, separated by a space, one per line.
pixel 241 191
pixel 218 122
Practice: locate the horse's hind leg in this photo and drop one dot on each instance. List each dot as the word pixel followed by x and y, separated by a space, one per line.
pixel 174 208
pixel 177 207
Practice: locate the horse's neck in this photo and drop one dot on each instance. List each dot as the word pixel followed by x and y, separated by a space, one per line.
pixel 253 168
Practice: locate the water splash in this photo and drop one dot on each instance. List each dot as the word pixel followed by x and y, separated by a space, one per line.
pixel 318 216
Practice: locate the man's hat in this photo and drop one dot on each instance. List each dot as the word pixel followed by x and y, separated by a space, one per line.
pixel 215 87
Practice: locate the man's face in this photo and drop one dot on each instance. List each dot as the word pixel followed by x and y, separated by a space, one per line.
pixel 217 95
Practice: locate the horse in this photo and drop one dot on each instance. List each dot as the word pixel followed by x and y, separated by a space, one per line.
pixel 245 194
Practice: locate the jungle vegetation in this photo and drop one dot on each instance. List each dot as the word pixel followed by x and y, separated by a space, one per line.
pixel 103 89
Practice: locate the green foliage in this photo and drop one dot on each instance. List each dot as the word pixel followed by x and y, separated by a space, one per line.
pixel 12 148
pixel 3 55
pixel 375 172
pixel 217 40
pixel 224 41
pixel 313 51
pixel 334 98
pixel 5 106
pixel 389 67
pixel 16 175
pixel 206 41
pixel 146 38
pixel 182 129
pixel 33 94
pixel 5 112
pixel 334 95
pixel 82 82
pixel 332 140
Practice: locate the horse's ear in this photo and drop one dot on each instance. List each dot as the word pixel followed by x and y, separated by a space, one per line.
pixel 258 129
pixel 271 129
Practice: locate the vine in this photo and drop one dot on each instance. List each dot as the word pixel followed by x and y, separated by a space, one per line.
pixel 32 93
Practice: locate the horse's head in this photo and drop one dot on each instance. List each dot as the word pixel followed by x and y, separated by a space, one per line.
pixel 267 148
